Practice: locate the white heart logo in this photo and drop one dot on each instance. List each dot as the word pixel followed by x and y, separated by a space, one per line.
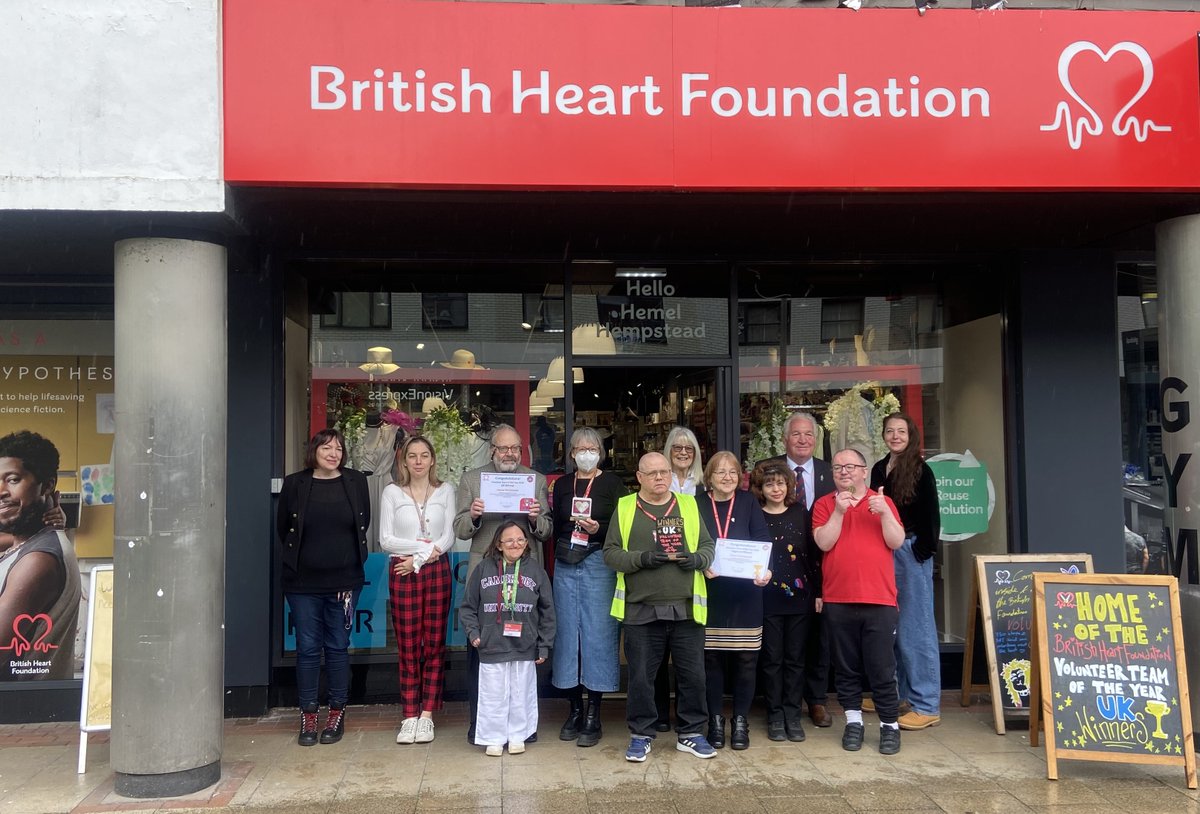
pixel 1002 578
pixel 1090 123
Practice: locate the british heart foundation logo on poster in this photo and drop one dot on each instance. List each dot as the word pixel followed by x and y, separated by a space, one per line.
pixel 1093 79
pixel 28 646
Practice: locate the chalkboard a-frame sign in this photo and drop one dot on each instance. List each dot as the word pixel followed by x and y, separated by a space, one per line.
pixel 1111 671
pixel 1002 593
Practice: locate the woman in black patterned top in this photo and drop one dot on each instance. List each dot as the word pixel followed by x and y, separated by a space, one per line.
pixel 791 600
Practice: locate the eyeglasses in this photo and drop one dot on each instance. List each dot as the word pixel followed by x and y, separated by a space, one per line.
pixel 518 541
pixel 847 467
pixel 512 449
pixel 585 449
pixel 726 473
pixel 682 450
pixel 657 473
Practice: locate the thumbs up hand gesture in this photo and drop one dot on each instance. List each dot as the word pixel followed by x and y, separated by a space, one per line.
pixel 877 502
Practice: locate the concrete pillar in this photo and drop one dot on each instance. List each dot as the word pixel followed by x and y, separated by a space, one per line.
pixel 1178 257
pixel 169 541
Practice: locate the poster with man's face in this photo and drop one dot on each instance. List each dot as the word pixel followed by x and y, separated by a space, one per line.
pixel 39 577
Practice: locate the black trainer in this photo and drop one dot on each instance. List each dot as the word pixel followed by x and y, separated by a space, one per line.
pixel 776 731
pixel 852 737
pixel 889 740
pixel 308 726
pixel 335 725
pixel 795 731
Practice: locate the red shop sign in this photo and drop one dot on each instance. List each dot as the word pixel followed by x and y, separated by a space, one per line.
pixel 483 95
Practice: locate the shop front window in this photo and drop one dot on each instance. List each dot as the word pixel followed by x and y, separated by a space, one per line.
pixel 473 351
pixel 1143 486
pixel 860 347
pixel 57 423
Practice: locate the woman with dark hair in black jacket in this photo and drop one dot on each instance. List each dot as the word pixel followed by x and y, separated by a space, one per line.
pixel 324 513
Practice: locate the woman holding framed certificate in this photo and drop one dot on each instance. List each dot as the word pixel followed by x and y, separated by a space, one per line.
pixel 733 635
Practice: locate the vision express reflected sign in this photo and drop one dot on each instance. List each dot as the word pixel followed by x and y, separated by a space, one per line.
pixel 493 95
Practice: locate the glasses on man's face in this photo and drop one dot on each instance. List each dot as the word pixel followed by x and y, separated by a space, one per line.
pixel 508 450
pixel 847 467
pixel 682 450
pixel 657 473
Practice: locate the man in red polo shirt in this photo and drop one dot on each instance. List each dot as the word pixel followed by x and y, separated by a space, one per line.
pixel 858 529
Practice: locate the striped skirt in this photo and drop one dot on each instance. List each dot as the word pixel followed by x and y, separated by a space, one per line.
pixel 739 639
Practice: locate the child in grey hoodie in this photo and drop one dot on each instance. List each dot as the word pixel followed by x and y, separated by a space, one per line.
pixel 508 616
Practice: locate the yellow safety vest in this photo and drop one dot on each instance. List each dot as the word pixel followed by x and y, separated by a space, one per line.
pixel 626 506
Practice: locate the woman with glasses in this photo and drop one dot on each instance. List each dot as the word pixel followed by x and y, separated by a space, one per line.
pixel 733 635
pixel 508 617
pixel 683 451
pixel 585 651
pixel 415 530
pixel 323 515
pixel 910 483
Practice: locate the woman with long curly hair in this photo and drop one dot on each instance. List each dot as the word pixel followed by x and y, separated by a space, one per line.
pixel 910 483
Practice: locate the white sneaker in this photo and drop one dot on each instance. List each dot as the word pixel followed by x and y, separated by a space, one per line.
pixel 424 730
pixel 517 748
pixel 494 751
pixel 853 5
pixel 408 731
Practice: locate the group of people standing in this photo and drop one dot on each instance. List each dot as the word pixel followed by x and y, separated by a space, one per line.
pixel 849 583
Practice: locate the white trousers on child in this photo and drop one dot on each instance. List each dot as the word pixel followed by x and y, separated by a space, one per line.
pixel 508 708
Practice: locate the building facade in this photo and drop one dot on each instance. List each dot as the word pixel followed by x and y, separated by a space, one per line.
pixel 697 216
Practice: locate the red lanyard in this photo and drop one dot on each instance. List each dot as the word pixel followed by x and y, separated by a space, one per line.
pixel 587 492
pixel 654 519
pixel 722 532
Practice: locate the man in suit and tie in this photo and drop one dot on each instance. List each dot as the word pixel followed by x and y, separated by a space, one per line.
pixel 814 480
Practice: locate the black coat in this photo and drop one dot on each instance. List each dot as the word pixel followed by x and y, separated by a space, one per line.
pixel 293 500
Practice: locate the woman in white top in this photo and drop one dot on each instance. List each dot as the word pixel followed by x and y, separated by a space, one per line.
pixel 683 451
pixel 415 529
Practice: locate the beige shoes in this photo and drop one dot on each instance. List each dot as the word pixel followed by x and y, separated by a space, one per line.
pixel 494 751
pixel 517 748
pixel 916 720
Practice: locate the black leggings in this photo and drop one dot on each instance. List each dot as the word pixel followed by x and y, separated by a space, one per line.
pixel 741 667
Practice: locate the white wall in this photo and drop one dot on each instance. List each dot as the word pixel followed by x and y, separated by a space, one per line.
pixel 111 105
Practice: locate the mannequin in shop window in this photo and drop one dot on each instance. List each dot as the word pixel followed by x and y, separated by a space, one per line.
pixel 376 453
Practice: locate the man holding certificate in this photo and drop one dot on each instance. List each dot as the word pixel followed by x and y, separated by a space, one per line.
pixel 502 490
pixel 487 497
pixel 858 529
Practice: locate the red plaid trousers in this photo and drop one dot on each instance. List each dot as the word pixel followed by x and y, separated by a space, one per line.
pixel 420 605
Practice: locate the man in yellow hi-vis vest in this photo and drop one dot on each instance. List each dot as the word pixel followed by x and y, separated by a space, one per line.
pixel 659 549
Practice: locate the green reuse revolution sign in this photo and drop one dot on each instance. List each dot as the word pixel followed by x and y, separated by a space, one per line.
pixel 966 496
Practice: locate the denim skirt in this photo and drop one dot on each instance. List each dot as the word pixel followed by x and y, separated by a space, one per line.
pixel 585 644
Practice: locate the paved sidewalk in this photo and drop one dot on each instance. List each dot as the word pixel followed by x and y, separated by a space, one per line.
pixel 958 767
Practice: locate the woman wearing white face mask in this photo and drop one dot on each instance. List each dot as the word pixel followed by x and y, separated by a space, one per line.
pixel 585 648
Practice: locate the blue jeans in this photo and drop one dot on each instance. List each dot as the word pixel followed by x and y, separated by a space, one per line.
pixel 918 659
pixel 585 643
pixel 320 622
